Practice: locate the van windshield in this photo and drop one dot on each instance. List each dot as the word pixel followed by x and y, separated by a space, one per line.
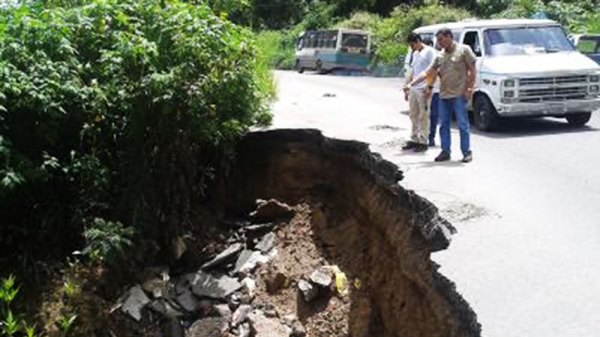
pixel 526 40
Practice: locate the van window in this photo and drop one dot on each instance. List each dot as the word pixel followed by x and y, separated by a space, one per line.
pixel 350 40
pixel 589 44
pixel 526 40
pixel 472 40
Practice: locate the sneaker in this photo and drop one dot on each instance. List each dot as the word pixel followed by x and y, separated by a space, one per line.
pixel 409 145
pixel 443 156
pixel 468 157
pixel 420 148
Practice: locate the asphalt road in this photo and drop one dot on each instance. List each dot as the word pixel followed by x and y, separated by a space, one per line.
pixel 527 209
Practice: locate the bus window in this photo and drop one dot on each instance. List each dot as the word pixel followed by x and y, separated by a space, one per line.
pixel 350 40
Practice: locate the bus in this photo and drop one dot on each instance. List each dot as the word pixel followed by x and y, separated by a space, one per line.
pixel 326 50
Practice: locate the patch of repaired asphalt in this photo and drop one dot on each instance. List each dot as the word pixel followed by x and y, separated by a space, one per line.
pixel 462 212
pixel 385 128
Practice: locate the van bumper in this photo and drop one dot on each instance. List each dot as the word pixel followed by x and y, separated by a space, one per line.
pixel 548 108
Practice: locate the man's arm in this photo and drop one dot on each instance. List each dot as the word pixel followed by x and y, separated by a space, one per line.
pixel 430 72
pixel 471 77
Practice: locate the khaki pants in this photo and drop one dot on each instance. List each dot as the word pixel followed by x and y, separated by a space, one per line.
pixel 419 115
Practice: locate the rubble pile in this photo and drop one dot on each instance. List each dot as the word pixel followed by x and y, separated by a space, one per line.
pixel 234 292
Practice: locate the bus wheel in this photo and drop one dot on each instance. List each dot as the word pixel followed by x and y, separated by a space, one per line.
pixel 319 67
pixel 298 67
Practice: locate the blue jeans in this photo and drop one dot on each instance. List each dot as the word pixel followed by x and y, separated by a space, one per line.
pixel 458 106
pixel 434 116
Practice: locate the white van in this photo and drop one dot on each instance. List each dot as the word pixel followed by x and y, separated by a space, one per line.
pixel 526 68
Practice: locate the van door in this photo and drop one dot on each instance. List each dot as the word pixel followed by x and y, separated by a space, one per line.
pixel 472 38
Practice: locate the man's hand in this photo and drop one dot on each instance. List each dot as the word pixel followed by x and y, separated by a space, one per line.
pixel 468 93
pixel 428 92
pixel 406 90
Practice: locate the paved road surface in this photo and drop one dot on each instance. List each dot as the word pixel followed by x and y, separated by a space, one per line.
pixel 527 254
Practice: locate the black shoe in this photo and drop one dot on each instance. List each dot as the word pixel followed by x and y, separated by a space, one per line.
pixel 431 143
pixel 468 157
pixel 443 156
pixel 420 148
pixel 409 145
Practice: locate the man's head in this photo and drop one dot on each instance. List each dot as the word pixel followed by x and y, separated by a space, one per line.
pixel 444 38
pixel 414 41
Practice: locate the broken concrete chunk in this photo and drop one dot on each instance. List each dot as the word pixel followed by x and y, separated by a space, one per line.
pixel 266 243
pixel 271 210
pixel 184 283
pixel 240 315
pixel 259 227
pixel 224 256
pixel 267 327
pixel 242 260
pixel 135 302
pixel 309 292
pixel 321 277
pixel 188 301
pixel 205 285
pixel 208 327
pixel 158 287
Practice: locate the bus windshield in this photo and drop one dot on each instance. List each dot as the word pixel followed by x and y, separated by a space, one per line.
pixel 354 40
pixel 526 40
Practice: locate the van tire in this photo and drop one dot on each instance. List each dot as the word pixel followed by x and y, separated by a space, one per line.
pixel 485 116
pixel 298 67
pixel 579 119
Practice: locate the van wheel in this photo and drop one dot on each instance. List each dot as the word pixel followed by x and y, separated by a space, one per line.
pixel 579 119
pixel 298 67
pixel 485 116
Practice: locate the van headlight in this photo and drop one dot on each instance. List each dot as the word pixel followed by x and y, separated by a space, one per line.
pixel 509 83
pixel 595 78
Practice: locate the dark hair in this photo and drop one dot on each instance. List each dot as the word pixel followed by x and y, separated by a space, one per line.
pixel 412 38
pixel 445 32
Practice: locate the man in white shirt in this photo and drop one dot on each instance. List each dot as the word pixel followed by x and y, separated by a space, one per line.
pixel 418 60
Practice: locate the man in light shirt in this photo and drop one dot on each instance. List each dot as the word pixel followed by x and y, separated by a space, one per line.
pixel 419 59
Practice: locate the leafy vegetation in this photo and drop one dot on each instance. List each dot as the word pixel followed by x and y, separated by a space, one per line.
pixel 114 115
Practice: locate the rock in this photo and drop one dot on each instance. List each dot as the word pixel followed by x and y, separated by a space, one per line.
pixel 321 277
pixel 249 286
pixel 178 247
pixel 208 327
pixel 188 301
pixel 184 283
pixel 296 327
pixel 249 260
pixel 224 256
pixel 266 327
pixel 135 302
pixel 157 287
pixel 271 210
pixel 165 308
pixel 244 330
pixel 309 292
pixel 240 315
pixel 259 227
pixel 172 328
pixel 223 310
pixel 266 243
pixel 205 285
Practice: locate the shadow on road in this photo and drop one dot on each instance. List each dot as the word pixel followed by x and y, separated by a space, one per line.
pixel 527 127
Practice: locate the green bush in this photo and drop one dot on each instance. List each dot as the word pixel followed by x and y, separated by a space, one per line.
pixel 278 47
pixel 116 109
pixel 390 34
